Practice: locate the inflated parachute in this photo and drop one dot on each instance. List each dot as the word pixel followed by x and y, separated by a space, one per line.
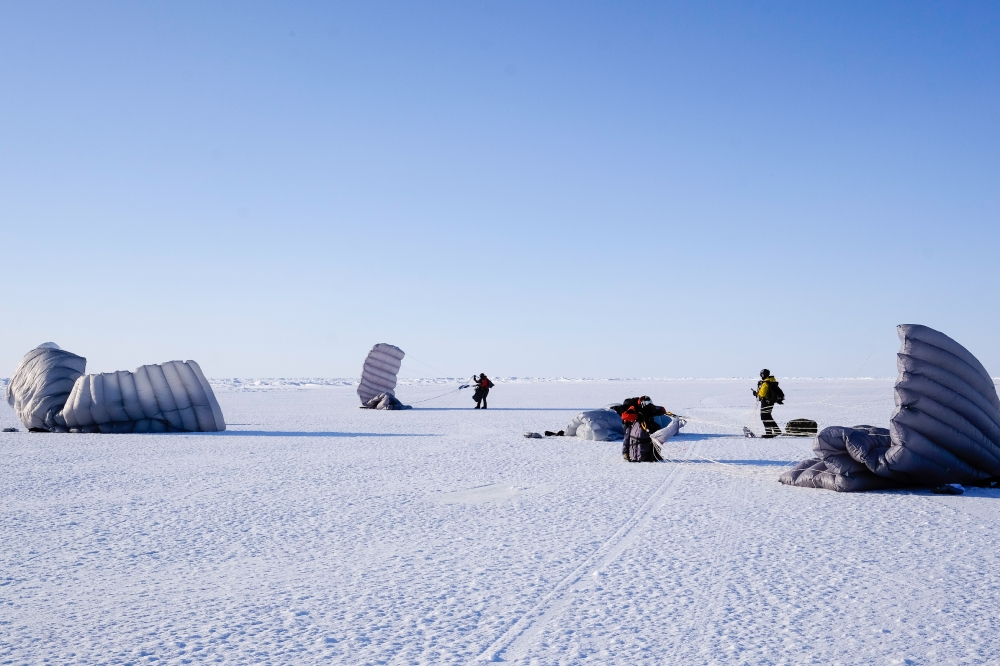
pixel 50 393
pixel 379 372
pixel 945 428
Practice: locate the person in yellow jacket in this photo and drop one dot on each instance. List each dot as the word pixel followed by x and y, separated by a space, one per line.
pixel 769 394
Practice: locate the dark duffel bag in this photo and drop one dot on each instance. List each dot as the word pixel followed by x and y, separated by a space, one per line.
pixel 801 428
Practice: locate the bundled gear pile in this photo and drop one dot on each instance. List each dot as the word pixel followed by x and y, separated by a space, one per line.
pixel 50 393
pixel 647 429
pixel 378 375
pixel 945 428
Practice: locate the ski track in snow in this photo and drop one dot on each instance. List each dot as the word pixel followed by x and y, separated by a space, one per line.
pixel 517 640
pixel 315 532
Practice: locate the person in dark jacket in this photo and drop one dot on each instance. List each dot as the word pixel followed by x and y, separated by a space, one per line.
pixel 483 386
pixel 637 418
pixel 769 394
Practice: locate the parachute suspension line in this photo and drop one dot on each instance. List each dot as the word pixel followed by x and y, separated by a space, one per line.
pixel 749 420
pixel 843 385
pixel 417 402
pixel 414 358
pixel 689 453
pixel 714 423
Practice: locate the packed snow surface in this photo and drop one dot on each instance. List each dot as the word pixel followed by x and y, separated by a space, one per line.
pixel 315 532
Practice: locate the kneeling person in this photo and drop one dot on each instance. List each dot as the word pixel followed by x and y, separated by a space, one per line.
pixel 638 420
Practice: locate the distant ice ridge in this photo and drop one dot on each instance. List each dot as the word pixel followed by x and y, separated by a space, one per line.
pixel 243 384
pixel 270 383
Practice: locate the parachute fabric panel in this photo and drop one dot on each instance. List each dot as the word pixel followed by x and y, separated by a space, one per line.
pixel 602 425
pixel 834 468
pixel 947 418
pixel 945 429
pixel 813 473
pixel 672 427
pixel 169 397
pixel 50 392
pixel 41 385
pixel 379 372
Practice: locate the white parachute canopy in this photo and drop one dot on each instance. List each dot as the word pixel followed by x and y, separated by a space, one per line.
pixel 380 370
pixel 602 425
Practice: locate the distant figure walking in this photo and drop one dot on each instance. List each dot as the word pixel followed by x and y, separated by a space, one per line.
pixel 483 386
pixel 769 394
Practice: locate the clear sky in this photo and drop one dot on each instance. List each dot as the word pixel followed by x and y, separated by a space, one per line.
pixel 532 189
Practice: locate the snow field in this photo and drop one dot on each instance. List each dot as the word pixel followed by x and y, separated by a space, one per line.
pixel 315 532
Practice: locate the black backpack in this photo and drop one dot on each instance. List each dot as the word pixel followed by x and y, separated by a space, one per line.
pixel 639 447
pixel 775 394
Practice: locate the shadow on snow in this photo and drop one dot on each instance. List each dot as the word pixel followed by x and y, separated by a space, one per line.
pixel 755 463
pixel 272 433
pixel 501 409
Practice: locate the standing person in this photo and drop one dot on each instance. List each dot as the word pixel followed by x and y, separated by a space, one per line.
pixel 769 394
pixel 483 386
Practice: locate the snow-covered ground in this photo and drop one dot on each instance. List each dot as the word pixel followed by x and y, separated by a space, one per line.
pixel 313 532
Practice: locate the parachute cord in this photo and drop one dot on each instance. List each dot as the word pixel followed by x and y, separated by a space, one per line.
pixel 440 396
pixel 691 419
pixel 414 358
pixel 843 385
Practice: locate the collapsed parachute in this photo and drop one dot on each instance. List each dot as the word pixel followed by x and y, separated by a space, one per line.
pixel 385 401
pixel 602 425
pixel 378 376
pixel 669 426
pixel 50 393
pixel 945 429
pixel 606 425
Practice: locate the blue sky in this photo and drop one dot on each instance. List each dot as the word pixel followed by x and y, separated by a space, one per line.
pixel 575 189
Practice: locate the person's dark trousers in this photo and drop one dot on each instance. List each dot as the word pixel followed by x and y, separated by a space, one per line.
pixel 771 428
pixel 483 393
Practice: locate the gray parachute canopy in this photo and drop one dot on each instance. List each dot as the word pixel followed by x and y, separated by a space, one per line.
pixel 49 392
pixel 379 372
pixel 945 429
pixel 603 425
